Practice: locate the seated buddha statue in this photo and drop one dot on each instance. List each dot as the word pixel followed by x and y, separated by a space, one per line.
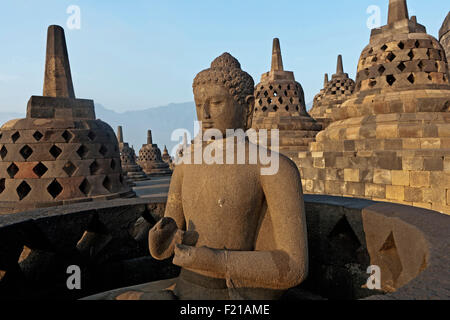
pixel 236 233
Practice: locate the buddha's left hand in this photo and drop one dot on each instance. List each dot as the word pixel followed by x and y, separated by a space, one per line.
pixel 203 258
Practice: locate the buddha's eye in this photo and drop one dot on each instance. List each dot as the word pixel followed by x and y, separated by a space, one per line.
pixel 215 102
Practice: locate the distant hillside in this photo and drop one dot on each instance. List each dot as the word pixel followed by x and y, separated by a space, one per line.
pixel 161 120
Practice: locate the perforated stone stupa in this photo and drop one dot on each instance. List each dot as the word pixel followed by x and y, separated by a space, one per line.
pixel 391 139
pixel 150 158
pixel 59 153
pixel 334 93
pixel 280 104
pixel 444 36
pixel 132 171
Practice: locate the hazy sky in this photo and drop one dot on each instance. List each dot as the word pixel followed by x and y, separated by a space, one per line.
pixel 131 55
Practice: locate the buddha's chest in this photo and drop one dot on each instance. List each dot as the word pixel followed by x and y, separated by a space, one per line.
pixel 234 188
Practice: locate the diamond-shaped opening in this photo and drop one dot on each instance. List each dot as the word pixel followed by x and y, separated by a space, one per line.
pixel 12 170
pixel 384 47
pixel 372 83
pixel 285 93
pixel 54 189
pixel 429 76
pixel 390 79
pixel 107 183
pixel 401 66
pixel 417 44
pixel 264 109
pixel 85 187
pixel 15 137
pixel 91 135
pixel 297 108
pixel 94 167
pixel 279 86
pixel 82 151
pixel 291 100
pixel 266 93
pixel 390 257
pixel 67 136
pixel 411 78
pixel 38 136
pixel 411 54
pixel 381 70
pixel 287 108
pixel 280 100
pixel 23 190
pixel 113 164
pixel 260 102
pixel 375 59
pixel 269 101
pixel 420 65
pixel 40 169
pixel 26 152
pixel 401 45
pixel 2 185
pixel 55 151
pixel 271 87
pixel 103 150
pixel 391 56
pixel 275 93
pixel 275 108
pixel 3 152
pixel 69 168
pixel 371 51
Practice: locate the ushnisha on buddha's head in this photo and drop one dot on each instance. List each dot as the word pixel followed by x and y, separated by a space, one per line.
pixel 224 95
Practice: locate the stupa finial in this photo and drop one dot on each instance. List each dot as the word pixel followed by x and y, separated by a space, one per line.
pixel 120 134
pixel 149 137
pixel 325 80
pixel 277 60
pixel 398 10
pixel 340 65
pixel 58 79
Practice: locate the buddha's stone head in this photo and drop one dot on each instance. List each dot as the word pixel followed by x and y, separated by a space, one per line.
pixel 224 95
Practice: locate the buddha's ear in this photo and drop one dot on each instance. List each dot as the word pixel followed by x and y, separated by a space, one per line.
pixel 250 102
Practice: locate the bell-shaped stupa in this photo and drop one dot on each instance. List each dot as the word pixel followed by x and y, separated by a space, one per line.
pixel 333 94
pixel 391 140
pixel 59 153
pixel 280 104
pixel 150 158
pixel 132 171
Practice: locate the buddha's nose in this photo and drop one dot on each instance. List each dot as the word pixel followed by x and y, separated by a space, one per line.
pixel 206 114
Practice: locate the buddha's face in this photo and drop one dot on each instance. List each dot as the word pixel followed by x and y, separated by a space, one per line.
pixel 217 108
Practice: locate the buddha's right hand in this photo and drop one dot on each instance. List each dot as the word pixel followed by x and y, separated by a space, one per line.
pixel 163 237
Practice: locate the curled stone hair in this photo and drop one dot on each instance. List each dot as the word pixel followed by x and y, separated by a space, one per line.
pixel 226 70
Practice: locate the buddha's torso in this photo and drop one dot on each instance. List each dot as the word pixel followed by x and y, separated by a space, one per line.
pixel 223 203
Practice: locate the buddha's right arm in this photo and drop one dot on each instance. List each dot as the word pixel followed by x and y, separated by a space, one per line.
pixel 169 231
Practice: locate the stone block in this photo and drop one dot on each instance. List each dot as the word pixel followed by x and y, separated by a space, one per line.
pixel 352 175
pixel 413 194
pixel 433 164
pixel 381 176
pixel 375 191
pixel 412 164
pixel 395 192
pixel 419 179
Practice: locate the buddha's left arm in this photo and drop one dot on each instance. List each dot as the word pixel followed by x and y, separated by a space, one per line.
pixel 283 267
